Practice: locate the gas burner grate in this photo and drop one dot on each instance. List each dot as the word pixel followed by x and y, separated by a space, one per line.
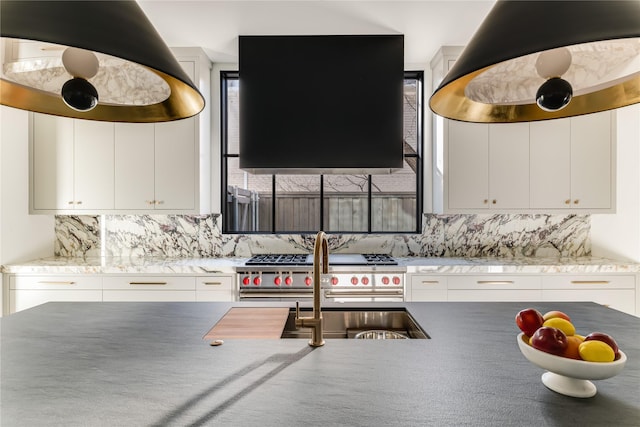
pixel 379 259
pixel 279 259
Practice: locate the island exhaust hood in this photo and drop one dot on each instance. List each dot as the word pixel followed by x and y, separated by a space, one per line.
pixel 321 104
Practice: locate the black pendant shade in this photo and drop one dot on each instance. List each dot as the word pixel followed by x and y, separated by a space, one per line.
pixel 495 78
pixel 119 29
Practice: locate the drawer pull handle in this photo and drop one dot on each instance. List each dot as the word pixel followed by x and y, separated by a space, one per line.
pixel 495 282
pixel 147 283
pixel 430 282
pixel 53 282
pixel 213 283
pixel 590 282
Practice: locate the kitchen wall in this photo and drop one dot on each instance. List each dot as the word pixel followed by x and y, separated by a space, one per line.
pixel 443 235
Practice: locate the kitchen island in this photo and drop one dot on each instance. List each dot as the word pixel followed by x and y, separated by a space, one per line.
pixel 146 364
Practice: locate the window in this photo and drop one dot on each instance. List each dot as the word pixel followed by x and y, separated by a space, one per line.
pixel 333 203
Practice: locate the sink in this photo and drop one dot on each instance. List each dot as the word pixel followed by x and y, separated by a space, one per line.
pixel 347 322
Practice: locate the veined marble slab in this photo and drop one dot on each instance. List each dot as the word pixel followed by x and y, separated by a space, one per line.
pixel 434 265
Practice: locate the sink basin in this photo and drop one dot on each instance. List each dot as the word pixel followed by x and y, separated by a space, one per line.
pixel 346 323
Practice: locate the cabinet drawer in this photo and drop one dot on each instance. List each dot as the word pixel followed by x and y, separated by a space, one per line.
pixel 619 299
pixel 589 282
pixel 148 295
pixel 215 283
pixel 148 283
pixel 424 282
pixel 494 295
pixel 227 295
pixel 56 282
pixel 489 282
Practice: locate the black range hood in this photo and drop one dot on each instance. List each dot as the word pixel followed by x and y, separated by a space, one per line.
pixel 321 104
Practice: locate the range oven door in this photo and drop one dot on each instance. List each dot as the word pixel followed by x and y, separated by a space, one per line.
pixel 348 295
pixel 275 295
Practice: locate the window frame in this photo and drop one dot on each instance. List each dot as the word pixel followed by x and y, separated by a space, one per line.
pixel 418 76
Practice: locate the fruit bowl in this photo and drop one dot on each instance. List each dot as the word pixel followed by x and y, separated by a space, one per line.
pixel 570 376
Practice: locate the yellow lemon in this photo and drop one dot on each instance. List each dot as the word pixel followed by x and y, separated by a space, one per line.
pixel 559 323
pixel 596 351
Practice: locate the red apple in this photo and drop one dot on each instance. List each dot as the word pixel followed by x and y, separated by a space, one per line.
pixel 555 313
pixel 549 340
pixel 607 339
pixel 528 320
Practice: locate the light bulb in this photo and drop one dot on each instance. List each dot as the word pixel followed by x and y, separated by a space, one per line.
pixel 553 63
pixel 80 62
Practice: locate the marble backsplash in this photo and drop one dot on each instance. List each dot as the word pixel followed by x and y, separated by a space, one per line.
pixel 200 236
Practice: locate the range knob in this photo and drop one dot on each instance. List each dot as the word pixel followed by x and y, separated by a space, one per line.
pixel 396 280
pixel 385 280
pixel 364 280
pixel 277 280
pixel 308 281
pixel 354 280
pixel 334 280
pixel 288 280
pixel 246 280
pixel 257 280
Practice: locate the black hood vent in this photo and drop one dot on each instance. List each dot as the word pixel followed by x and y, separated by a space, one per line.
pixel 321 104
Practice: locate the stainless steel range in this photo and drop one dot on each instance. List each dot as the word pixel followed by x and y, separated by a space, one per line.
pixel 352 277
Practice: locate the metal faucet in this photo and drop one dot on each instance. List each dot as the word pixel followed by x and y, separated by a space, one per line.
pixel 320 256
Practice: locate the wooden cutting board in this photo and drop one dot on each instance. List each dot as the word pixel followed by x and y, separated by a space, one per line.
pixel 250 322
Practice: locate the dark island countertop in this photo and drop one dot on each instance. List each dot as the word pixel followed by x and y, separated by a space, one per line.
pixel 146 364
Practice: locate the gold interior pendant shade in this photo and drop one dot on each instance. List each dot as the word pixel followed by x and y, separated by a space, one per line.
pixel 122 63
pixel 585 53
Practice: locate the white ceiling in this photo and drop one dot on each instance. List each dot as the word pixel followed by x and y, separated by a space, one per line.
pixel 215 25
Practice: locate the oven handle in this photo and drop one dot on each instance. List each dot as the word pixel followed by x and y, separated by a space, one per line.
pixel 373 294
pixel 276 295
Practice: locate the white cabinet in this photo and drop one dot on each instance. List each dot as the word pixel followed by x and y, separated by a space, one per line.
pixel 176 165
pixel 494 288
pixel 134 166
pixel 156 166
pixel 28 291
pixel 71 164
pixel 571 163
pixel 487 166
pixel 467 165
pixel 220 287
pixel 615 291
pixel 427 287
pixel 102 167
pixel 149 288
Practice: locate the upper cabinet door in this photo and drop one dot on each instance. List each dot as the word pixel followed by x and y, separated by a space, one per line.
pixel 591 161
pixel 467 167
pixel 134 166
pixel 550 164
pixel 175 165
pixel 509 166
pixel 94 162
pixel 51 162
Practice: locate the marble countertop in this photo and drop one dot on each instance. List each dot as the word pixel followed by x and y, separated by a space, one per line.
pixel 435 265
pixel 147 364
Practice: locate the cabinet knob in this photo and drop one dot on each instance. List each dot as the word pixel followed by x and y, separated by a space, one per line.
pixel 150 202
pixel 568 201
pixel 494 201
pixel 576 201
pixel 159 202
pixel 485 201
pixel 79 202
pixel 70 202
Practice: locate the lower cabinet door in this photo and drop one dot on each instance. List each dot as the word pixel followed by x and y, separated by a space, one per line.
pixel 26 298
pixel 137 295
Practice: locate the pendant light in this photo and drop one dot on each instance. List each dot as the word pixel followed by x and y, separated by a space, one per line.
pixel 538 60
pixel 97 60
